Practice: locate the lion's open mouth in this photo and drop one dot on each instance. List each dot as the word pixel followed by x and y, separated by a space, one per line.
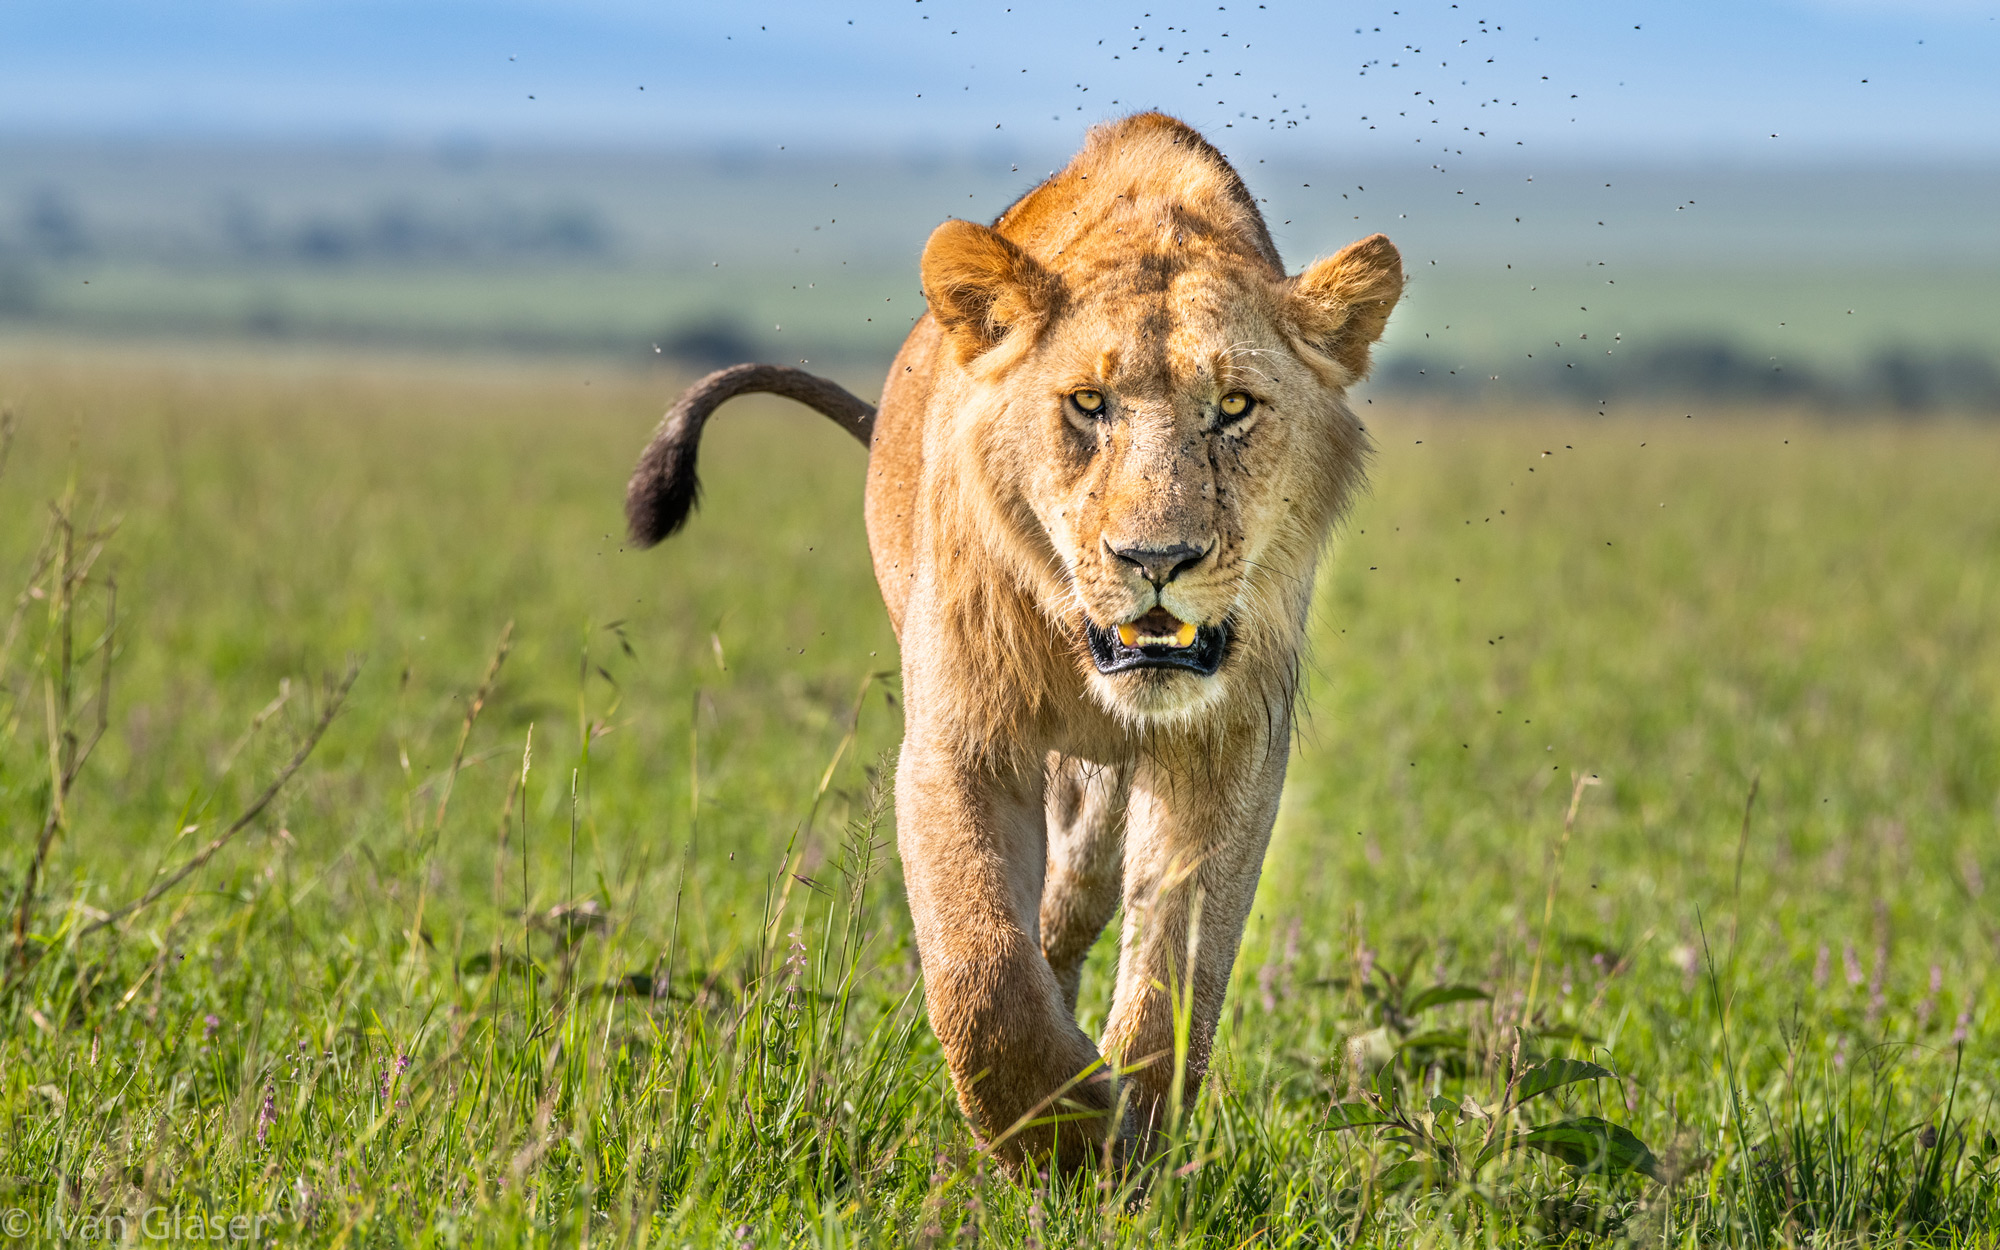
pixel 1157 640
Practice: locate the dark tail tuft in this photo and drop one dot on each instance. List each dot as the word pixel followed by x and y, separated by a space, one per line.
pixel 664 488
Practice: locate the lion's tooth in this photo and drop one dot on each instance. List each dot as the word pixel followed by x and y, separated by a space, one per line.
pixel 1128 635
pixel 1184 637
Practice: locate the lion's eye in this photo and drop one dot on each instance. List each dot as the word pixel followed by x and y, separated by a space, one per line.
pixel 1236 404
pixel 1091 402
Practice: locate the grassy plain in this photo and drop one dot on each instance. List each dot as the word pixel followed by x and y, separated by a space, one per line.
pixel 1472 315
pixel 635 968
pixel 814 254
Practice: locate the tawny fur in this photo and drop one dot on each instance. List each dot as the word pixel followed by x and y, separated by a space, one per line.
pixel 1036 795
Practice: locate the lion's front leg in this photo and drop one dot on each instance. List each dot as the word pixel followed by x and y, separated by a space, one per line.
pixel 1194 847
pixel 971 842
pixel 1086 862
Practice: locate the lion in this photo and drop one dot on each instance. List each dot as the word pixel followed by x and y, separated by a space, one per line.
pixel 1105 466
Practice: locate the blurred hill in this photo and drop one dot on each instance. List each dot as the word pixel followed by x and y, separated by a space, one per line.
pixel 1825 285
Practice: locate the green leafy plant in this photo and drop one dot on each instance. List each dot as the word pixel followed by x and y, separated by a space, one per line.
pixel 1393 1006
pixel 1451 1141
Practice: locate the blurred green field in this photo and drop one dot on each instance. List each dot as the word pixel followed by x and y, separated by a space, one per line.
pixel 641 979
pixel 616 312
pixel 1470 315
pixel 813 254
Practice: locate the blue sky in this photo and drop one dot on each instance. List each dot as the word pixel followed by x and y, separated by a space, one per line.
pixel 1760 79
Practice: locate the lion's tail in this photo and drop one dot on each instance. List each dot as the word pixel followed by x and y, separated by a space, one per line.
pixel 664 488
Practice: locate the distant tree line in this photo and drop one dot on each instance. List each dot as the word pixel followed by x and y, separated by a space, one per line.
pixel 1713 370
pixel 48 225
pixel 403 231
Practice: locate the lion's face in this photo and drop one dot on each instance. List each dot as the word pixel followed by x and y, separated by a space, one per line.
pixel 1159 416
pixel 1182 463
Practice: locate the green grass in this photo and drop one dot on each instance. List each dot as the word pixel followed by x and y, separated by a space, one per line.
pixel 646 977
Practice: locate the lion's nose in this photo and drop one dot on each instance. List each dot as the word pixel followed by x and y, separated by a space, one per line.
pixel 1159 565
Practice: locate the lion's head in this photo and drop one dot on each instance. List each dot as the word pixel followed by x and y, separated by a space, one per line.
pixel 1155 412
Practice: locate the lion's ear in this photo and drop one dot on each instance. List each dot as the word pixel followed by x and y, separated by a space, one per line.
pixel 982 287
pixel 1341 304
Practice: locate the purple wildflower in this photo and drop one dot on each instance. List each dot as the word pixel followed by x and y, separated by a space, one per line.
pixel 1036 1220
pixel 1853 962
pixel 210 1025
pixel 1876 998
pixel 1926 1008
pixel 1291 962
pixel 795 964
pixel 974 1208
pixel 390 1073
pixel 267 1114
